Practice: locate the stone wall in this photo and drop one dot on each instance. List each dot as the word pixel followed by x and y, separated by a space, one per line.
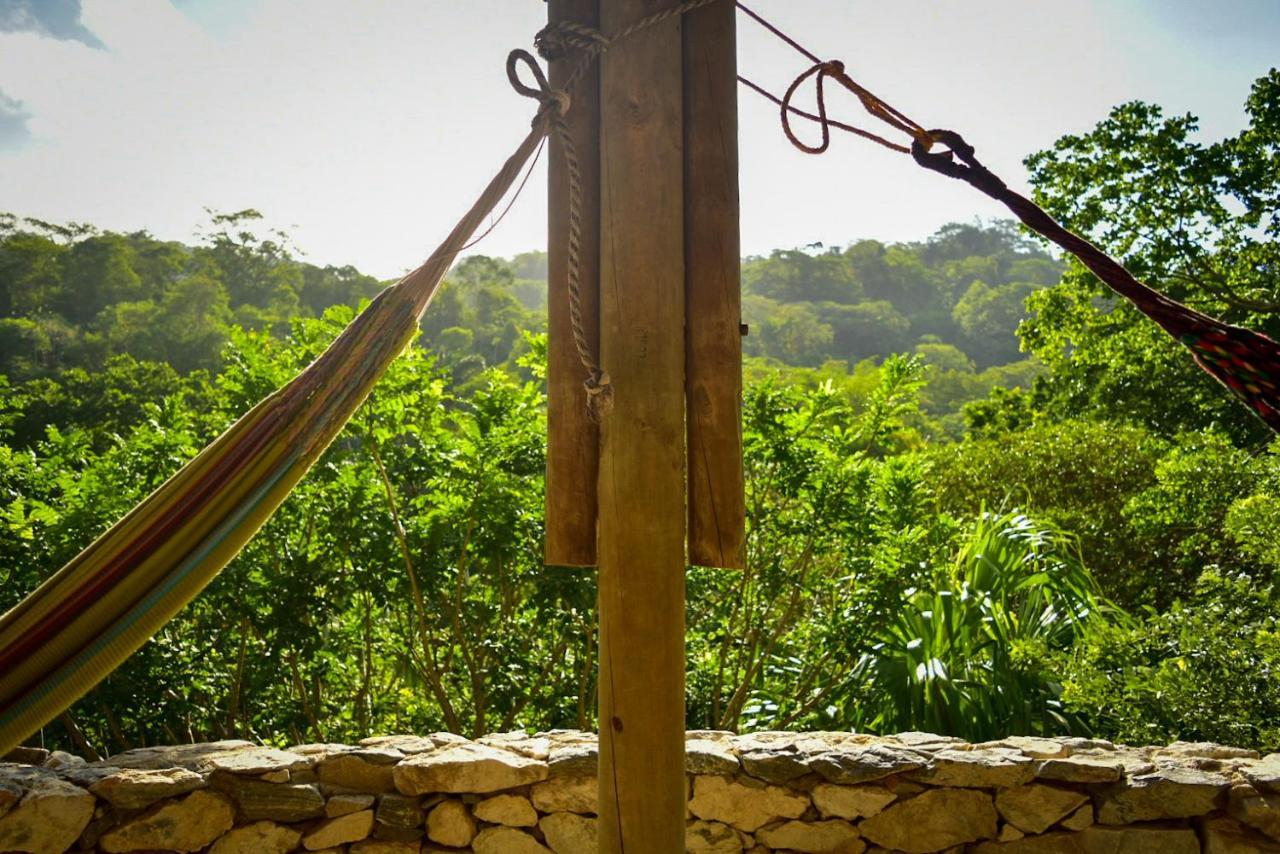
pixel 514 793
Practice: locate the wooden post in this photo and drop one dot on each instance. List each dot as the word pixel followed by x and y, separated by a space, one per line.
pixel 641 487
pixel 572 437
pixel 717 512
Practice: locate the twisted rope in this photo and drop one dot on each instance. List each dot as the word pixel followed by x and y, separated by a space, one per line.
pixel 554 42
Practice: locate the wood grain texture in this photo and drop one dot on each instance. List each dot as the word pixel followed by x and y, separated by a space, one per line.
pixel 641 492
pixel 573 440
pixel 713 356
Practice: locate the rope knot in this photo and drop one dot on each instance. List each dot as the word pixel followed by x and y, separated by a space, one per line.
pixel 834 67
pixel 551 101
pixel 599 394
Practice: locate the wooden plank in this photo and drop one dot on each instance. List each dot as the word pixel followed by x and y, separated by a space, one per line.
pixel 713 357
pixel 573 439
pixel 642 507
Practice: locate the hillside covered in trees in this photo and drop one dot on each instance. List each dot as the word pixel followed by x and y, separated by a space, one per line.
pixel 985 496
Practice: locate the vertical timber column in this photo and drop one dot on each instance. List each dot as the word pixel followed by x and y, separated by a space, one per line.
pixel 572 437
pixel 713 357
pixel 641 485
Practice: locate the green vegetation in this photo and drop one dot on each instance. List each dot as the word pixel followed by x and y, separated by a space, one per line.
pixel 984 496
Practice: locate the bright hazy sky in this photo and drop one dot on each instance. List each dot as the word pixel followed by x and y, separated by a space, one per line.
pixel 366 128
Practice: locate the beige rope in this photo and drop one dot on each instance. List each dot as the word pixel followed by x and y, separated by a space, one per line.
pixel 553 42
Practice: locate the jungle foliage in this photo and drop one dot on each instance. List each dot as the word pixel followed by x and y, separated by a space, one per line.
pixel 946 532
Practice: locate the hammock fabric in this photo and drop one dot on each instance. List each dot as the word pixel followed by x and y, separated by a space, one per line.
pixel 85 620
pixel 1245 361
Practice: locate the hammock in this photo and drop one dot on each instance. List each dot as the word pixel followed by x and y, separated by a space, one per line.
pixel 90 616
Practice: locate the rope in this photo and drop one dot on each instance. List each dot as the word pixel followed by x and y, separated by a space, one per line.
pixel 1245 361
pixel 554 42
pixel 834 69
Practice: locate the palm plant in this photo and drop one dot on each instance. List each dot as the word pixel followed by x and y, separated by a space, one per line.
pixel 968 657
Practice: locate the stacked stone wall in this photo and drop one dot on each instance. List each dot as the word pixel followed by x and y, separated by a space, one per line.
pixel 813 793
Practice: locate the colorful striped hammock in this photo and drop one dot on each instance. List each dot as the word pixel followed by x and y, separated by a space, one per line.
pixel 85 620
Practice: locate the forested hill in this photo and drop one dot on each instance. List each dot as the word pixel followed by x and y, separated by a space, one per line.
pixel 75 297
pixel 1095 555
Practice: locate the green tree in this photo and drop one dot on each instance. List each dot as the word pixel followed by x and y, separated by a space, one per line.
pixel 1197 221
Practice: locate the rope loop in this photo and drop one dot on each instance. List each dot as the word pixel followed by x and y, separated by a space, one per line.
pixel 556 100
pixel 821 70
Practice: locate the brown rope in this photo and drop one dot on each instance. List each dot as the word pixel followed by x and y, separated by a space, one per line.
pixel 827 120
pixel 834 69
pixel 554 41
pixel 1245 361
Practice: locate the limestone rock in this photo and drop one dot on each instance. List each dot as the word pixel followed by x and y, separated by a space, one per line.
pixel 261 837
pixel 186 825
pixel 1226 836
pixel 711 837
pixel 60 760
pixel 566 794
pixel 1136 839
pixel 932 821
pixel 10 794
pixel 365 771
pixel 1261 812
pixel 1009 833
pixel 132 789
pixel 1170 792
pixel 773 765
pixel 410 744
pixel 398 811
pixel 822 837
pixel 573 760
pixel 866 763
pixel 518 741
pixel 507 840
pixel 468 768
pixel 850 801
pixel 744 804
pixel 449 823
pixel 569 833
pixel 1206 750
pixel 270 801
pixel 26 756
pixel 703 756
pixel 1035 808
pixel 193 757
pixel 255 760
pixel 345 804
pixel 1263 774
pixel 383 846
pixel 1049 843
pixel 996 767
pixel 1081 769
pixel 508 810
pixel 1080 819
pixel 332 832
pixel 48 817
pixel 1036 748
pixel 927 740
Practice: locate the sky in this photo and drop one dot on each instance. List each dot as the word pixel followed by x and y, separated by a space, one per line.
pixel 365 130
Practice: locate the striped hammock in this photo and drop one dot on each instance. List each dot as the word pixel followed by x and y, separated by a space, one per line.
pixel 85 620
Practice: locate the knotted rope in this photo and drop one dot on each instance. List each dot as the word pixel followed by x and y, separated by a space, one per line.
pixel 554 42
pixel 555 104
pixel 1245 361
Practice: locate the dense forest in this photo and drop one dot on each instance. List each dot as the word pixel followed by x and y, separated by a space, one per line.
pixel 985 496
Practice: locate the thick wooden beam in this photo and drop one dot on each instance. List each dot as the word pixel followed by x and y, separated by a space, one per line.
pixel 713 357
pixel 572 437
pixel 642 492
